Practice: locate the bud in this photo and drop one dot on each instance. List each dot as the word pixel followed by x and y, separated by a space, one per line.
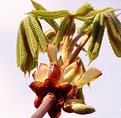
pixel 75 106
pixel 73 72
pixel 41 73
pixel 52 53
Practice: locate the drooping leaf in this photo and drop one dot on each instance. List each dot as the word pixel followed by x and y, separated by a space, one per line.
pixel 21 53
pixel 84 9
pixel 24 58
pixel 96 37
pixel 113 26
pixel 38 6
pixel 90 75
pixel 42 14
pixel 31 39
pixel 95 12
pixel 30 64
pixel 38 32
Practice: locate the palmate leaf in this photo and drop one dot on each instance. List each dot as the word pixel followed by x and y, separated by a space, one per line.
pixel 52 22
pixel 31 39
pixel 21 52
pixel 113 26
pixel 83 10
pixel 42 14
pixel 96 37
pixel 24 58
pixel 38 33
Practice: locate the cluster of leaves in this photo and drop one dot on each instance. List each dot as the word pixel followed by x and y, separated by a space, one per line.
pixel 32 40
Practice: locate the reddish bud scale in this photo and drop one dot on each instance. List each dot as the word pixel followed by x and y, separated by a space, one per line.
pixel 54 71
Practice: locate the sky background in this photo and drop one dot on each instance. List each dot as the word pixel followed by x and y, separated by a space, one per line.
pixel 16 98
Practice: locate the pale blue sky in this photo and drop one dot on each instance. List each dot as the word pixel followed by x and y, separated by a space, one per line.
pixel 16 98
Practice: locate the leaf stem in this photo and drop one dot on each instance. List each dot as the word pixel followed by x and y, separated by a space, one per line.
pixel 78 49
pixel 46 105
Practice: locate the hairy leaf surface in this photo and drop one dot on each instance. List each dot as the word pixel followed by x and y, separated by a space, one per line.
pixel 42 14
pixel 84 9
pixel 24 58
pixel 21 52
pixel 113 26
pixel 62 31
pixel 33 44
pixel 96 37
pixel 52 22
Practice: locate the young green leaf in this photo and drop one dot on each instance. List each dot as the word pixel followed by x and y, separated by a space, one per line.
pixel 21 52
pixel 113 26
pixel 42 14
pixel 30 64
pixel 95 12
pixel 53 24
pixel 90 75
pixel 84 10
pixel 24 58
pixel 31 39
pixel 62 31
pixel 37 6
pixel 38 33
pixel 96 37
pixel 86 25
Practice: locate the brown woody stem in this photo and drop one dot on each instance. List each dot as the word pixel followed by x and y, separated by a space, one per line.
pixel 46 105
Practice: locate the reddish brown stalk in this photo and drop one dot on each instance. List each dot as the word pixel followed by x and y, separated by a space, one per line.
pixel 46 105
pixel 74 41
pixel 78 49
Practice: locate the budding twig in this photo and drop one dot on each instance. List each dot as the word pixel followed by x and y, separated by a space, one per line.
pixel 46 105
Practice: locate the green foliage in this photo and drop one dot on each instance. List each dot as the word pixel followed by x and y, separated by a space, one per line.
pixel 21 52
pixel 50 21
pixel 83 10
pixel 32 39
pixel 96 37
pixel 62 31
pixel 63 38
pixel 113 26
pixel 42 14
